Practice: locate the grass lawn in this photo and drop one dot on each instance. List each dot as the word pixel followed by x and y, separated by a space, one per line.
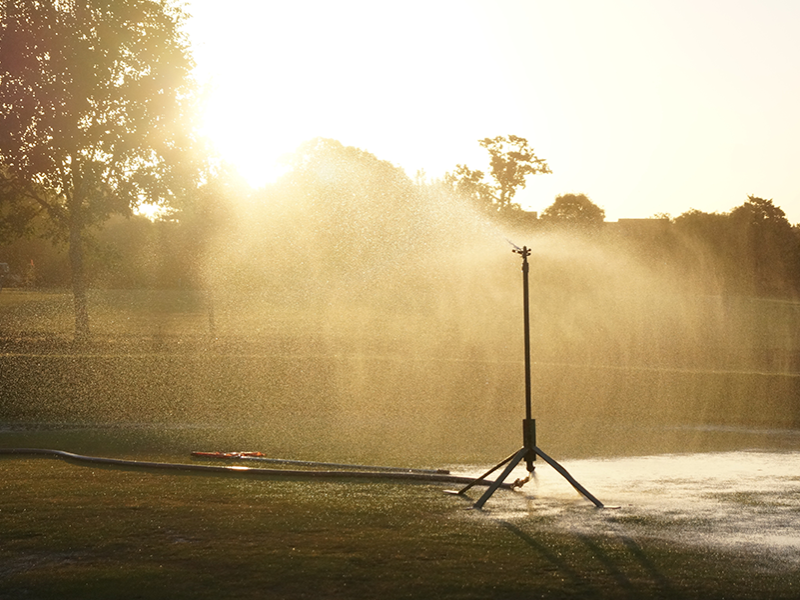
pixel 374 389
pixel 71 531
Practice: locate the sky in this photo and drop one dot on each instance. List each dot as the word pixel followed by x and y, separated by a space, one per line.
pixel 647 107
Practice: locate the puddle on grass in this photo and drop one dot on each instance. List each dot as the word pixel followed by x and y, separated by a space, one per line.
pixel 745 501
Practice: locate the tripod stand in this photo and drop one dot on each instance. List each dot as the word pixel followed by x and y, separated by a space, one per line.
pixel 529 450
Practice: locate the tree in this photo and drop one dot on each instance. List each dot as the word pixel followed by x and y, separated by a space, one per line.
pixel 753 249
pixel 512 160
pixel 761 215
pixel 767 244
pixel 574 210
pixel 96 109
pixel 206 223
pixel 470 185
pixel 354 205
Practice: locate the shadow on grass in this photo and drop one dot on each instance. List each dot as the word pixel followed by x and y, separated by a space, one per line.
pixel 615 565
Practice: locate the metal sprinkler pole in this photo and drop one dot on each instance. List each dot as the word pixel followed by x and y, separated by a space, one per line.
pixel 529 449
pixel 529 424
pixel 527 324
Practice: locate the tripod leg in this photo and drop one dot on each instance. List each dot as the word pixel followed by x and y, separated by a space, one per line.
pixel 485 475
pixel 568 477
pixel 514 462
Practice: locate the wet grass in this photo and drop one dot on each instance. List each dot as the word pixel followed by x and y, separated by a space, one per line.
pixel 74 531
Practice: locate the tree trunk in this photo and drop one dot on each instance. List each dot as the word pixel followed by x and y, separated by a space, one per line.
pixel 78 276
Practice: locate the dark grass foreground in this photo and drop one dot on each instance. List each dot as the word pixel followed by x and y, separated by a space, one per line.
pixel 72 531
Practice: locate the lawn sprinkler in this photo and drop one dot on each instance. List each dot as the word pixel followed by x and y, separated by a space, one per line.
pixel 529 450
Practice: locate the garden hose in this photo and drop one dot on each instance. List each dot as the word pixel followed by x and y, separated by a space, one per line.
pixel 400 475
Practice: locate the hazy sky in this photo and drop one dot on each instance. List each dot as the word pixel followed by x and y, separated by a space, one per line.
pixel 645 106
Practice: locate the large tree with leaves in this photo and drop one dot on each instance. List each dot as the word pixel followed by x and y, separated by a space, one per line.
pixel 96 109
pixel 768 246
pixel 574 210
pixel 355 207
pixel 512 160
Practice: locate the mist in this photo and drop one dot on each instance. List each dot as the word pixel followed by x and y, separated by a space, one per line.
pixel 349 312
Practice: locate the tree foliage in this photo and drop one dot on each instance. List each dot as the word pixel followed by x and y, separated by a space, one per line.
pixel 96 109
pixel 752 249
pixel 512 160
pixel 349 202
pixel 574 210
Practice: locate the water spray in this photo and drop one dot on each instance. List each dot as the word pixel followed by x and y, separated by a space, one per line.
pixel 529 450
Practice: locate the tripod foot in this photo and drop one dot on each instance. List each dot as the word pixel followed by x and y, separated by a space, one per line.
pixel 563 472
pixel 515 459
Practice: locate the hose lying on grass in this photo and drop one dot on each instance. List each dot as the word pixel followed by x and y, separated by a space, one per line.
pixel 399 475
pixel 258 456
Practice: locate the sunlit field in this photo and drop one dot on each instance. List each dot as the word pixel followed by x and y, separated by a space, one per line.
pixel 701 501
pixel 262 327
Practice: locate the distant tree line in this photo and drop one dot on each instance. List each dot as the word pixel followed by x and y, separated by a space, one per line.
pixel 750 250
pixel 341 216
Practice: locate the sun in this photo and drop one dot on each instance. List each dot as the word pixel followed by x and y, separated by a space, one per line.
pixel 292 72
pixel 236 128
pixel 250 109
